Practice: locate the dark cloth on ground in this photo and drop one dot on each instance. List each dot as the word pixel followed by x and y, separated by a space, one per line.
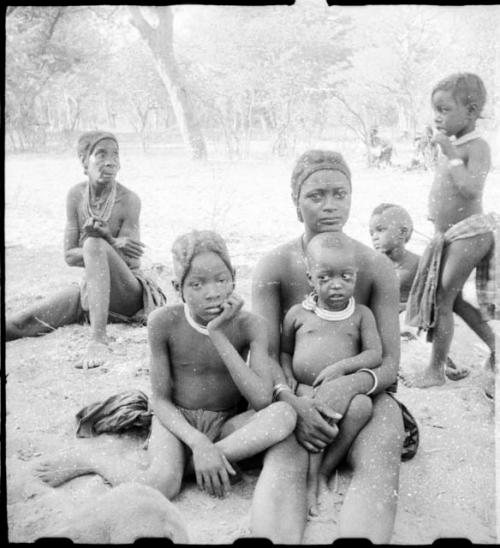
pixel 122 412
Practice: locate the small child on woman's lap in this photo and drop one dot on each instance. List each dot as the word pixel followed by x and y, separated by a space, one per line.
pixel 328 336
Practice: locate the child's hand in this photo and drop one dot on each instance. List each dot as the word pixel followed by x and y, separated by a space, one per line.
pixel 211 468
pixel 230 309
pixel 446 145
pixel 329 373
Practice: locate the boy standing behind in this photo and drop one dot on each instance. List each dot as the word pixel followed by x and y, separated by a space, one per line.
pixel 390 229
pixel 464 235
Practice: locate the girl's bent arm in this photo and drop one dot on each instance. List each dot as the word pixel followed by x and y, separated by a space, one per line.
pixel 254 382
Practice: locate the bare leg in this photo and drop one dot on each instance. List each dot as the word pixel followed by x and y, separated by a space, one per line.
pixel 111 287
pixel 263 429
pixel 167 453
pixel 322 464
pixel 313 483
pixel 459 259
pixel 279 505
pixel 370 504
pixel 358 414
pixel 60 309
pixel 473 318
pixel 165 470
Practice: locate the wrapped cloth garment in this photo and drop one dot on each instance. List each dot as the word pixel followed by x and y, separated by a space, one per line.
pixel 421 307
pixel 125 411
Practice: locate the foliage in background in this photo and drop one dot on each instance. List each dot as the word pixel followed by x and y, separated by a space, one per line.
pixel 288 76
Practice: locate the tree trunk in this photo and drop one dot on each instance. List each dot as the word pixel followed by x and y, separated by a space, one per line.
pixel 160 41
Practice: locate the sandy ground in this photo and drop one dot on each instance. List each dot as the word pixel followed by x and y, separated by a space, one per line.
pixel 447 490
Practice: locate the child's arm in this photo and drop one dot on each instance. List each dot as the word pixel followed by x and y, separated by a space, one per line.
pixel 211 466
pixel 468 179
pixel 254 382
pixel 369 357
pixel 287 346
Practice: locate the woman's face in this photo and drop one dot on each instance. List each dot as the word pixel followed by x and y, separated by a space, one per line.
pixel 325 201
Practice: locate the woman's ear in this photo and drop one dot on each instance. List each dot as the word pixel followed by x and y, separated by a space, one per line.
pixel 299 215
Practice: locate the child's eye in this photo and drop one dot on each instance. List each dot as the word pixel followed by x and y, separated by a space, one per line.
pixel 222 281
pixel 195 285
pixel 341 194
pixel 347 276
pixel 315 196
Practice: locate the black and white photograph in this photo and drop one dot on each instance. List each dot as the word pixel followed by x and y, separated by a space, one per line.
pixel 251 273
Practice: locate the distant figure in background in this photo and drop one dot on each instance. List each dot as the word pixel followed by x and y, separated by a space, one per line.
pixel 380 149
pixel 426 151
pixel 464 236
pixel 102 236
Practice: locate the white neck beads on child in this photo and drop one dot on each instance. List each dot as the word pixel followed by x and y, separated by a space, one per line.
pixel 195 325
pixel 310 303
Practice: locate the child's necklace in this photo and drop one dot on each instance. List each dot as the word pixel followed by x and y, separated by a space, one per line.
pixel 475 134
pixel 195 325
pixel 311 303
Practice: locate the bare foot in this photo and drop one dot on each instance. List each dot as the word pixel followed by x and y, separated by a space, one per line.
pixel 61 469
pixel 453 372
pixel 429 377
pixel 97 354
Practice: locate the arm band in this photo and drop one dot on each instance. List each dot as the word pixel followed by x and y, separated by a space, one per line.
pixel 375 381
pixel 278 388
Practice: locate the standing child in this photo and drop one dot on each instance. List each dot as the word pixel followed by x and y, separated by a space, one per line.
pixel 200 379
pixel 327 336
pixel 464 235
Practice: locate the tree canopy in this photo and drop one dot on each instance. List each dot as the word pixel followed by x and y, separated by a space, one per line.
pixel 228 74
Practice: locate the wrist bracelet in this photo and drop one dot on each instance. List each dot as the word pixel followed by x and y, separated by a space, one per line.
pixel 375 381
pixel 455 162
pixel 278 388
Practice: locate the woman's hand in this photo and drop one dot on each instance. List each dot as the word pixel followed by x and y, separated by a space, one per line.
pixel 128 246
pixel 316 424
pixel 211 468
